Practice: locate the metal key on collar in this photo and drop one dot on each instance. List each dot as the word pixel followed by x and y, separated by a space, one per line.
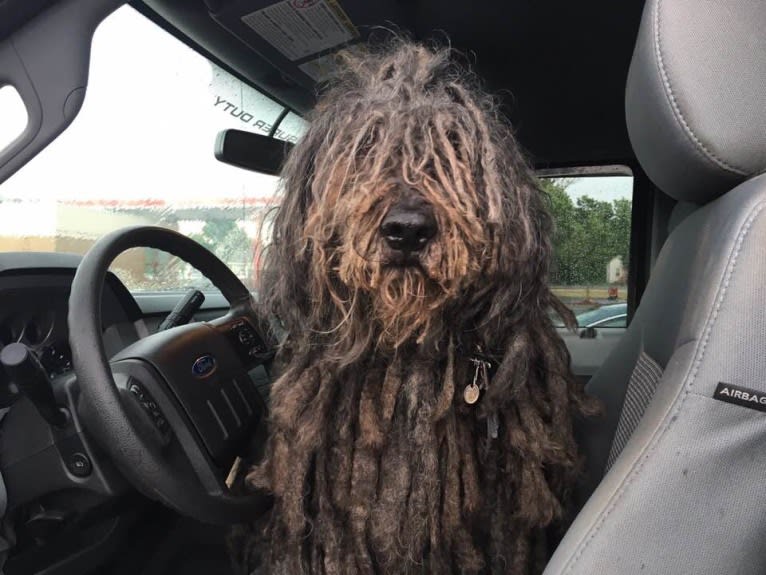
pixel 472 392
pixel 480 380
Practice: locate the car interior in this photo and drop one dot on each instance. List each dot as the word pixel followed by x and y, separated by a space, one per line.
pixel 112 464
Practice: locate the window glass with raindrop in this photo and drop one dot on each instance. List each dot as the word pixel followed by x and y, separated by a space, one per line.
pixel 141 153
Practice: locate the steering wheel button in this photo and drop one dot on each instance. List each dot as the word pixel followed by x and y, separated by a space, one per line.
pixel 149 406
pixel 246 337
pixel 79 465
pixel 136 390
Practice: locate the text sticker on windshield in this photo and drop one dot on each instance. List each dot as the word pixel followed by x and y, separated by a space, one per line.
pixel 302 28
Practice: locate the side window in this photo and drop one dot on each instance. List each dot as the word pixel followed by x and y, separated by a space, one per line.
pixel 591 242
pixel 13 116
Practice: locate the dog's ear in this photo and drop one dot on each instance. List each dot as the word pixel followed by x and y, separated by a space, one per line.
pixel 520 241
pixel 283 286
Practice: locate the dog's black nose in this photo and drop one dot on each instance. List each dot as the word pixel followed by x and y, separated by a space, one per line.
pixel 408 226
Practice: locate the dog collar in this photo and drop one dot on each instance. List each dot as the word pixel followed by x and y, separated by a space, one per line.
pixel 483 369
pixel 480 380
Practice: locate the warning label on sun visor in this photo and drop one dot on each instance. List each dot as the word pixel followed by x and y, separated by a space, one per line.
pixel 302 28
pixel 323 67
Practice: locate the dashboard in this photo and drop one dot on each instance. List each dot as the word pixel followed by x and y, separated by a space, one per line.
pixel 66 498
pixel 37 328
pixel 33 311
pixel 36 316
pixel 34 304
pixel 48 496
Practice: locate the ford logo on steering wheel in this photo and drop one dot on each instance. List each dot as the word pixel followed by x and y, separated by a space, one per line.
pixel 204 366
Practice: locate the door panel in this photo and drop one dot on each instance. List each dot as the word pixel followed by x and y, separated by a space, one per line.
pixel 589 353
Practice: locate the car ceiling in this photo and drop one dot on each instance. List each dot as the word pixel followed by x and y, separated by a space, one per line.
pixel 559 66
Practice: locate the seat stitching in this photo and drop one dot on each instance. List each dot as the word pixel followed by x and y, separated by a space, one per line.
pixel 684 392
pixel 720 162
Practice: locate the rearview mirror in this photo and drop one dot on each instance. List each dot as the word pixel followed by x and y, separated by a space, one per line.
pixel 588 333
pixel 250 151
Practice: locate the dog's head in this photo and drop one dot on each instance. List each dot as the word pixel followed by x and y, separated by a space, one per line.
pixel 406 199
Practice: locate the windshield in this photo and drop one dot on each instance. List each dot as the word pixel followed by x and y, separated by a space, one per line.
pixel 141 152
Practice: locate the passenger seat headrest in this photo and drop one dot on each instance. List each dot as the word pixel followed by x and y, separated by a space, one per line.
pixel 696 95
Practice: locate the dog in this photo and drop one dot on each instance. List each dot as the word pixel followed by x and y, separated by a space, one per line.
pixel 423 418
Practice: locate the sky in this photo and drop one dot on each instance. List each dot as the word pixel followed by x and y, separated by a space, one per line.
pixel 605 188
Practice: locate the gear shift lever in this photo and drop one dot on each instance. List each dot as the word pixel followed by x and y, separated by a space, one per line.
pixel 25 371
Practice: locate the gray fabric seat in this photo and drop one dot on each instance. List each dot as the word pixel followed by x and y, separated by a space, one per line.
pixel 676 477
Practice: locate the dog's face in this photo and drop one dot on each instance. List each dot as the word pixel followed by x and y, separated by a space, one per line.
pixel 411 231
pixel 409 197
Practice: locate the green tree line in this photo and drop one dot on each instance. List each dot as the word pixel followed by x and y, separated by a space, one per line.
pixel 588 234
pixel 225 239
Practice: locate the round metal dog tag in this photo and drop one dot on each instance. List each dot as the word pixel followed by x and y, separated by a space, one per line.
pixel 471 394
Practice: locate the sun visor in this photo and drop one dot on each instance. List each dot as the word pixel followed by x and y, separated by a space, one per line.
pixel 301 37
pixel 46 63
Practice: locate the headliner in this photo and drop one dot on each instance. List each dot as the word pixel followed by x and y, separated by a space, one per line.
pixel 560 66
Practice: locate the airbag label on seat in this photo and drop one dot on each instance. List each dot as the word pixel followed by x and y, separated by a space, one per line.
pixel 740 396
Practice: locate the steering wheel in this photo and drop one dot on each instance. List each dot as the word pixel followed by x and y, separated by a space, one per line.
pixel 175 408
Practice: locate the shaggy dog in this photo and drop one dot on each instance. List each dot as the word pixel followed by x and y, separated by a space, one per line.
pixel 422 422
